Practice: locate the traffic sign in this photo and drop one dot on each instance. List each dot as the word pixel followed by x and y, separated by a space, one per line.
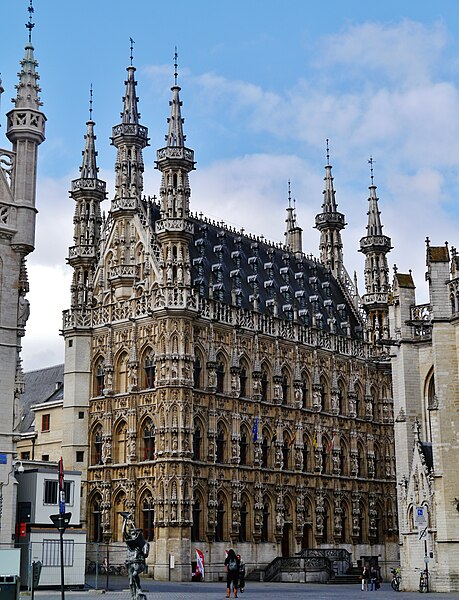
pixel 422 533
pixel 420 516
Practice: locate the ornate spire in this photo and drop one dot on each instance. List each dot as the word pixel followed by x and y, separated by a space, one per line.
pixel 89 168
pixel 27 88
pixel 293 233
pixel 375 246
pixel 330 222
pixel 175 137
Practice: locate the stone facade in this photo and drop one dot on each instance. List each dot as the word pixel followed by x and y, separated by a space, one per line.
pixel 25 130
pixel 425 388
pixel 233 392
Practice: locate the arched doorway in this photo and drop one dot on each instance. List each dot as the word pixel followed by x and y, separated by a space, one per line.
pixel 307 539
pixel 285 547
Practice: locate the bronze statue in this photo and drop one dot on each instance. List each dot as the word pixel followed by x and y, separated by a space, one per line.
pixel 137 551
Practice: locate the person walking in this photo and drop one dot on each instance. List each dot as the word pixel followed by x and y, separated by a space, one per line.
pixel 365 578
pixel 373 578
pixel 232 572
pixel 241 574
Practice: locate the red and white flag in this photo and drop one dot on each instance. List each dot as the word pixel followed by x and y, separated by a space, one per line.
pixel 200 562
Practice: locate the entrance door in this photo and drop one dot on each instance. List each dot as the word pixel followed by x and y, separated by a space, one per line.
pixel 286 540
pixel 306 540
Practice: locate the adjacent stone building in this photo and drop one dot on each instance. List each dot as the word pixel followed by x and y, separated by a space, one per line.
pixel 25 130
pixel 234 392
pixel 426 396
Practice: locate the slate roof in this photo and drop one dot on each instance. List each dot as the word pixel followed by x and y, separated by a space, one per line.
pixel 233 268
pixel 42 385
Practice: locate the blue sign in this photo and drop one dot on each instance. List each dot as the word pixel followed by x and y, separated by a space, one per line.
pixel 3 459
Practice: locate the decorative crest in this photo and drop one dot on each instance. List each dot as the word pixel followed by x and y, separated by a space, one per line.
pixel 175 66
pixel 132 50
pixel 30 25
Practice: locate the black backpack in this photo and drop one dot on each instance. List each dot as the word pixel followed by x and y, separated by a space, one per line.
pixel 232 565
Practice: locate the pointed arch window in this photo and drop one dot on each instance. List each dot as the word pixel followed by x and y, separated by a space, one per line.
pixel 285 384
pixel 148 518
pixel 220 377
pixel 264 452
pixel 122 373
pixel 149 443
pixel 219 528
pixel 265 523
pixel 243 446
pixel 96 520
pixel 97 446
pixel 243 382
pixel 99 382
pixel 305 391
pixel 197 371
pixel 305 454
pixel 243 523
pixel 285 454
pixel 149 372
pixel 264 386
pixel 221 443
pixel 197 444
pixel 196 527
pixel 121 443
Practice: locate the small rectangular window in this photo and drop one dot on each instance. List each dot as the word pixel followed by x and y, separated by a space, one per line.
pixel 45 422
pixel 50 496
pixel 25 455
pixel 81 415
pixel 68 492
pixel 45 457
pixel 51 553
pixel 70 343
pixel 79 456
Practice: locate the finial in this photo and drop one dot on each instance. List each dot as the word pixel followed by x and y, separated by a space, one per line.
pixel 395 269
pixel 30 25
pixel 289 194
pixel 132 49
pixel 370 162
pixel 90 103
pixel 427 241
pixel 175 66
pixel 328 154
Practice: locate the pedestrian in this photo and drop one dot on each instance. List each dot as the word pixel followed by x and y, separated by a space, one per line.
pixel 365 578
pixel 373 578
pixel 232 572
pixel 241 574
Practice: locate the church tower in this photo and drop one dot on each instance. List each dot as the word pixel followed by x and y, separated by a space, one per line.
pixel 330 222
pixel 88 191
pixel 18 171
pixel 175 306
pixel 375 246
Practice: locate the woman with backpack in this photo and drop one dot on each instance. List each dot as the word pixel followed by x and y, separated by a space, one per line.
pixel 232 572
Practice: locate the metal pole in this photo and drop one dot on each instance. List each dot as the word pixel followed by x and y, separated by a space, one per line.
pixel 61 536
pixel 33 587
pixel 427 565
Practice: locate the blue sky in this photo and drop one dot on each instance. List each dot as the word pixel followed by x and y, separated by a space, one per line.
pixel 264 83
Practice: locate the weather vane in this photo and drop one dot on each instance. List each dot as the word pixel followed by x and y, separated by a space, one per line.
pixel 328 152
pixel 30 25
pixel 90 103
pixel 175 66
pixel 132 48
pixel 289 194
pixel 371 162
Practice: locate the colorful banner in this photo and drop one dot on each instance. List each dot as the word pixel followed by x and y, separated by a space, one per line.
pixel 200 562
pixel 255 429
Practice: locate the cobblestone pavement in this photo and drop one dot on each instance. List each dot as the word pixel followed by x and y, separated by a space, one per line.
pixel 156 590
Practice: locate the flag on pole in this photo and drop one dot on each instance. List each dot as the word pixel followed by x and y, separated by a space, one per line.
pixel 61 487
pixel 255 429
pixel 331 445
pixel 200 562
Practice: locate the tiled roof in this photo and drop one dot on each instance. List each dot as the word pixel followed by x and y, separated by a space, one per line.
pixel 42 385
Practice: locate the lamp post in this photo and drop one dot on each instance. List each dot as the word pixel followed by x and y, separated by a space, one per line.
pixel 61 521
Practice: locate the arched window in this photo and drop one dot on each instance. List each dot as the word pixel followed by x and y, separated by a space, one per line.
pixel 197 373
pixel 243 525
pixel 264 385
pixel 149 371
pixel 219 528
pixel 122 373
pixel 96 519
pixel 305 454
pixel 149 446
pixel 197 443
pixel 343 459
pixel 243 382
pixel 341 398
pixel 344 524
pixel 264 451
pixel 99 378
pixel 148 518
pixel 285 454
pixel 325 394
pixel 221 443
pixel 196 526
pixel 305 391
pixel 220 377
pixel 97 446
pixel 118 507
pixel 243 445
pixel 285 384
pixel 326 530
pixel 362 523
pixel 265 523
pixel 120 450
pixel 325 456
